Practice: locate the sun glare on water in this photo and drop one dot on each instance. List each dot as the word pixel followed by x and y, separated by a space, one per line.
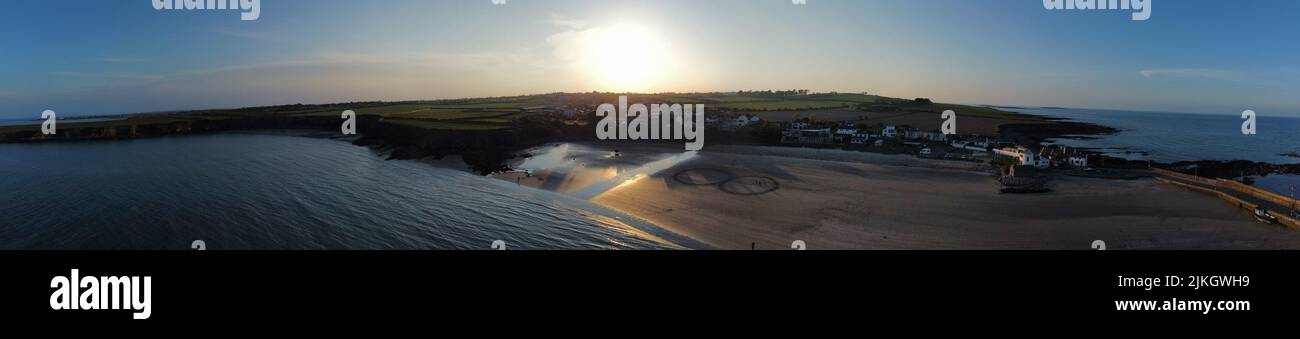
pixel 627 58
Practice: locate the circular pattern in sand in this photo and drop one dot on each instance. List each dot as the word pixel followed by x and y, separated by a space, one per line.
pixel 726 181
pixel 750 185
pixel 703 176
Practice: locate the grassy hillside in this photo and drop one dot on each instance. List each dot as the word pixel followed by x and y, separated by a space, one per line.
pixel 502 112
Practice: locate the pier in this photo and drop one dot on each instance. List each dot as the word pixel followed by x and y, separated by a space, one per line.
pixel 1242 195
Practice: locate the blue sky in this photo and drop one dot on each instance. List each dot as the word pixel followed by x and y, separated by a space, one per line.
pixel 84 57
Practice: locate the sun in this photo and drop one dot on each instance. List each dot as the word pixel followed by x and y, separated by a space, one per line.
pixel 626 58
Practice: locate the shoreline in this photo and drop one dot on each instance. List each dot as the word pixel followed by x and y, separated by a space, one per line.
pixel 828 185
pixel 843 200
pixel 829 198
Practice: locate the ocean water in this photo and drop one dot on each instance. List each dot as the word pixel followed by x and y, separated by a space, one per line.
pixel 31 122
pixel 1170 137
pixel 266 191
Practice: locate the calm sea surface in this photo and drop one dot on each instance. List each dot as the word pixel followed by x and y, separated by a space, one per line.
pixel 1169 137
pixel 32 122
pixel 265 191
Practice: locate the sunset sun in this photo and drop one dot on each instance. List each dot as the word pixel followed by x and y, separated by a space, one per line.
pixel 626 58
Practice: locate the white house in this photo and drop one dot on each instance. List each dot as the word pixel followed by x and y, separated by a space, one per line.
pixel 746 120
pixel 971 145
pixel 915 134
pixel 845 134
pixel 798 125
pixel 889 131
pixel 1024 156
pixel 860 138
pixel 807 136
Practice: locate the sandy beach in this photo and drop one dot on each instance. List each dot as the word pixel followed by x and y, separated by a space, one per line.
pixel 738 197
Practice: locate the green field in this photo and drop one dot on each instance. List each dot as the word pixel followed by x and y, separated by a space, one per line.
pixel 973 111
pixel 502 112
pixel 474 117
pixel 464 125
pixel 97 124
pixel 768 102
pixel 784 105
pixel 479 116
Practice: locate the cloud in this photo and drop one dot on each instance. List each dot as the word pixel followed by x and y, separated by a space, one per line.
pixel 111 76
pixel 252 35
pixel 1268 79
pixel 566 22
pixel 570 46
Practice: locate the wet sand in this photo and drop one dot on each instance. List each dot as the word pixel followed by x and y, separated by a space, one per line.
pixel 852 200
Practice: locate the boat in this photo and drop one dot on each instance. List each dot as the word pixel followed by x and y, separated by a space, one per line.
pixel 1262 215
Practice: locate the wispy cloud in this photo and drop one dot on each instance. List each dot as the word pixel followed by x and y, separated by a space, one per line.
pixel 567 22
pixel 251 35
pixel 110 76
pixel 1257 78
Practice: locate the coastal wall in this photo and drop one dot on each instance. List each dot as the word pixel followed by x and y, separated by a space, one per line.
pixel 1256 192
pixel 1206 181
pixel 1219 187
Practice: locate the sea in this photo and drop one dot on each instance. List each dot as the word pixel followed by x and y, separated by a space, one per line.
pixel 270 190
pixel 32 122
pixel 1170 137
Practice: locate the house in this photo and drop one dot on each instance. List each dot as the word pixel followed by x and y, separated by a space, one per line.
pixel 976 144
pixel 1023 156
pixel 844 135
pixel 915 134
pixel 890 131
pixel 746 120
pixel 797 125
pixel 807 136
pixel 860 138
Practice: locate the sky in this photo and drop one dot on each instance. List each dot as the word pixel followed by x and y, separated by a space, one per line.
pixel 90 57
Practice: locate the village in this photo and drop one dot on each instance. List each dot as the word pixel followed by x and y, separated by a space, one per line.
pixel 890 126
pixel 1021 168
